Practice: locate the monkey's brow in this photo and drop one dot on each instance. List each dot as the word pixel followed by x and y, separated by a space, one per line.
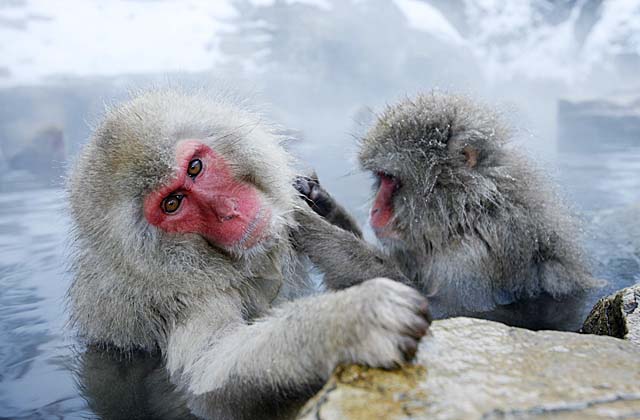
pixel 236 130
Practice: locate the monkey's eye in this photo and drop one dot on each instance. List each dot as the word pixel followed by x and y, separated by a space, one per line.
pixel 195 166
pixel 248 178
pixel 172 203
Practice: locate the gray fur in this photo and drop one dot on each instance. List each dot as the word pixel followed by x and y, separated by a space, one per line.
pixel 491 240
pixel 232 342
pixel 342 256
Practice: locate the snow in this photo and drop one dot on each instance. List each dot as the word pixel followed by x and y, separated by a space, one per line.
pixel 513 40
pixel 424 17
pixel 320 4
pixel 510 40
pixel 93 37
pixel 617 31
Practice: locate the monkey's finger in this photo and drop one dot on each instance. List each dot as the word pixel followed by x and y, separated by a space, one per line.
pixel 316 192
pixel 408 347
pixel 417 328
pixel 416 301
pixel 303 186
pixel 423 309
pixel 427 317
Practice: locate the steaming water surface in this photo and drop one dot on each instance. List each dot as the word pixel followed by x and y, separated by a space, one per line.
pixel 602 180
pixel 37 355
pixel 35 381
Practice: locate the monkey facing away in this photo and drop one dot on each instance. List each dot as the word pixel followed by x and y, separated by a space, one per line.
pixel 467 219
pixel 183 214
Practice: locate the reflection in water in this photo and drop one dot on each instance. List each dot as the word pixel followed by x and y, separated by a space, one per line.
pixel 44 375
pixel 132 386
pixel 119 386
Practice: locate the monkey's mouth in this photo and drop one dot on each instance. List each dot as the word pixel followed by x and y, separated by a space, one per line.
pixel 387 232
pixel 382 210
pixel 256 229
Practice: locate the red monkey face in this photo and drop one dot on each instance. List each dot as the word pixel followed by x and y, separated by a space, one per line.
pixel 205 198
pixel 382 209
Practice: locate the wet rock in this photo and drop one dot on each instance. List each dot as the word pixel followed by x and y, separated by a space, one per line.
pixel 617 315
pixel 474 369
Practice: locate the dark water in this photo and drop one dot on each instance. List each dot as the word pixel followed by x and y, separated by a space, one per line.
pixel 37 356
pixel 35 381
pixel 604 188
pixel 603 180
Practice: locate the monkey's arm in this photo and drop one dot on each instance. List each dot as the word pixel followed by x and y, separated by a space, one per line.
pixel 344 258
pixel 325 205
pixel 234 368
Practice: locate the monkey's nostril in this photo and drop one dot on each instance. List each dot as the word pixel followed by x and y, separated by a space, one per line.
pixel 226 208
pixel 375 210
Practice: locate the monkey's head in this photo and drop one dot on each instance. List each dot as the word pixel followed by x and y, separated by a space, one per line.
pixel 435 160
pixel 176 179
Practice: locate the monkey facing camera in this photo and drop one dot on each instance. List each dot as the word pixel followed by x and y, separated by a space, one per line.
pixel 184 219
pixel 467 219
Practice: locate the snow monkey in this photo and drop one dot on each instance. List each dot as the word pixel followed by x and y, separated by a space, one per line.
pixel 184 211
pixel 468 220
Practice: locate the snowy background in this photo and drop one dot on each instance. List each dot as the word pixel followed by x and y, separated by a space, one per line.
pixel 567 41
pixel 323 59
pixel 316 63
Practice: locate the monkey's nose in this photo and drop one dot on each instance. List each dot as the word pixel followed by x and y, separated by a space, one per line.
pixel 226 208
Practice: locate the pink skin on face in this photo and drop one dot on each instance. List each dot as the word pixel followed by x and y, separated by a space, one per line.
pixel 225 211
pixel 382 209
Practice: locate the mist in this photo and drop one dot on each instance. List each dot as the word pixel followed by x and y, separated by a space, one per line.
pixel 319 68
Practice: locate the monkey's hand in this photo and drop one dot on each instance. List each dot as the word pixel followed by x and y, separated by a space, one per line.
pixel 391 319
pixel 229 368
pixel 324 204
pixel 314 194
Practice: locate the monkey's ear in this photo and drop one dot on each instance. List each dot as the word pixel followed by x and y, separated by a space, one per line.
pixel 471 155
pixel 314 176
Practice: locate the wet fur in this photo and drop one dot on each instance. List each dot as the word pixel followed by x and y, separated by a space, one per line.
pixel 485 236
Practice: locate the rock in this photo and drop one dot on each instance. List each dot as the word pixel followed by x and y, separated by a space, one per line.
pixel 617 315
pixel 472 369
pixel 43 155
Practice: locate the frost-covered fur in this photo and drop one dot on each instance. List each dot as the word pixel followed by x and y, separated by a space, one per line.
pixel 211 313
pixel 479 229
